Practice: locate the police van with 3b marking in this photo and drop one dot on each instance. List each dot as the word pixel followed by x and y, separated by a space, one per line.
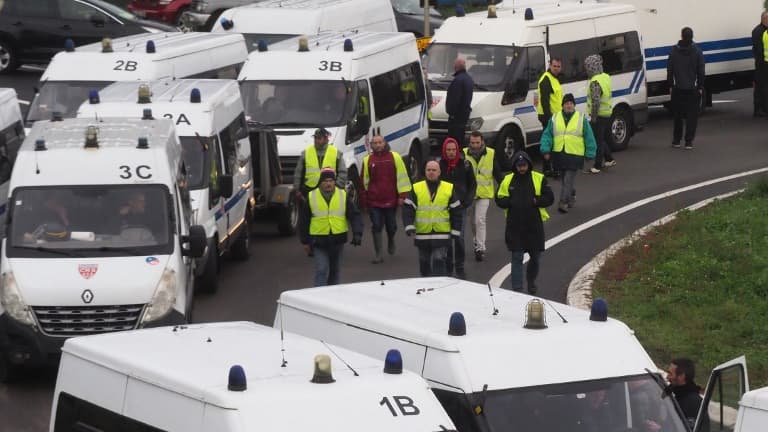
pixel 353 84
pixel 231 377
pixel 210 124
pixel 97 238
pixel 497 360
pixel 506 52
pixel 75 72
pixel 11 136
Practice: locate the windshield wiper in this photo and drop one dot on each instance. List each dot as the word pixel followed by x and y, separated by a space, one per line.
pixel 51 250
pixel 292 124
pixel 128 250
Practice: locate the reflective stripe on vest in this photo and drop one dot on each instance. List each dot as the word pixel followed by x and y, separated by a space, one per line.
pixel 765 46
pixel 538 180
pixel 403 181
pixel 311 166
pixel 555 99
pixel 604 80
pixel 568 137
pixel 433 216
pixel 483 172
pixel 328 218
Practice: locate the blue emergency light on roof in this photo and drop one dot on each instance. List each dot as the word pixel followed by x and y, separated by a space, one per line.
pixel 150 47
pixel 146 114
pixel 69 45
pixel 460 10
pixel 262 45
pixel 226 23
pixel 457 326
pixel 143 143
pixel 599 311
pixel 393 362
pixel 194 95
pixel 237 381
pixel 93 96
pixel 348 45
pixel 40 145
pixel 528 14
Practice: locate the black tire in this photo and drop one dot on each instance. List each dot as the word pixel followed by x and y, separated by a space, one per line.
pixel 240 249
pixel 354 186
pixel 620 129
pixel 212 20
pixel 178 22
pixel 288 217
pixel 9 62
pixel 414 162
pixel 208 282
pixel 509 141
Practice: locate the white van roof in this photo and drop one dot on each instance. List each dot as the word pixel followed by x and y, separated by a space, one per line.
pixel 210 51
pixel 418 310
pixel 194 361
pixel 757 399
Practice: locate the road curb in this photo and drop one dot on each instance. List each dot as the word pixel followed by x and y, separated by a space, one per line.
pixel 580 289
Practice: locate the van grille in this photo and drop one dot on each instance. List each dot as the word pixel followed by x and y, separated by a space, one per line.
pixel 86 320
pixel 438 125
pixel 288 167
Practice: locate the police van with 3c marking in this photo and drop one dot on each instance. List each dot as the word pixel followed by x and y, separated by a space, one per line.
pixel 354 84
pixel 210 124
pixel 230 377
pixel 97 238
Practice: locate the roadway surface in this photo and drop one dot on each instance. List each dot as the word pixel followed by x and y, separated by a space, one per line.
pixel 729 141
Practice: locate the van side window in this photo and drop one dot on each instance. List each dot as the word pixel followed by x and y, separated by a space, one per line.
pixel 620 53
pixel 214 171
pixel 10 141
pixel 229 137
pixel 536 66
pixel 361 116
pixel 458 409
pixel 397 90
pixel 76 415
pixel 573 55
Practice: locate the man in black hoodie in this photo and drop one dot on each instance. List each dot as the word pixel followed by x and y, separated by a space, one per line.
pixel 759 50
pixel 680 374
pixel 458 101
pixel 685 74
pixel 456 170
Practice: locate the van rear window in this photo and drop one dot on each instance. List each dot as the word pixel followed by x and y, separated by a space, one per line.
pixel 77 415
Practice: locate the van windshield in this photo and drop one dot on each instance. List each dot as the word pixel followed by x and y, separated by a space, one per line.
pixel 64 97
pixel 299 104
pixel 252 39
pixel 490 66
pixel 90 221
pixel 195 155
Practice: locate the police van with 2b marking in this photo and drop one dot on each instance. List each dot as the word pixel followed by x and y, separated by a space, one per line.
pixel 98 237
pixel 497 360
pixel 11 136
pixel 353 84
pixel 231 377
pixel 74 72
pixel 506 52
pixel 209 120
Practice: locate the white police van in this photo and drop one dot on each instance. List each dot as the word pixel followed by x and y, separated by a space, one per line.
pixel 209 120
pixel 97 238
pixel 11 136
pixel 235 377
pixel 74 72
pixel 496 359
pixel 506 52
pixel 276 20
pixel 353 84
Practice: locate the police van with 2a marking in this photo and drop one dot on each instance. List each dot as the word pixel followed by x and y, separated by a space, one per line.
pixel 98 238
pixel 209 120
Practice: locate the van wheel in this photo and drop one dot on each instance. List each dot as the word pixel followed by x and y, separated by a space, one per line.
pixel 209 280
pixel 354 186
pixel 9 62
pixel 620 129
pixel 212 20
pixel 288 217
pixel 178 22
pixel 241 248
pixel 414 162
pixel 508 142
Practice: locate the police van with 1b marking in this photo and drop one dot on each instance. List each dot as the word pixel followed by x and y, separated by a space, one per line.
pixel 506 52
pixel 353 84
pixel 98 237
pixel 230 377
pixel 497 360
pixel 209 120
pixel 75 72
pixel 11 136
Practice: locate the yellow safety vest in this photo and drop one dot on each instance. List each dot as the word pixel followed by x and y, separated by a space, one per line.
pixel 569 138
pixel 538 179
pixel 483 172
pixel 328 218
pixel 403 182
pixel 433 216
pixel 311 166
pixel 765 46
pixel 604 80
pixel 555 99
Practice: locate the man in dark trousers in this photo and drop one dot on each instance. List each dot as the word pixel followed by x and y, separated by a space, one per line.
pixel 548 100
pixel 685 74
pixel 760 52
pixel 680 374
pixel 456 170
pixel 458 101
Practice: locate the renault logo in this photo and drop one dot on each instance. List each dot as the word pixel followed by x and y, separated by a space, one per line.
pixel 87 296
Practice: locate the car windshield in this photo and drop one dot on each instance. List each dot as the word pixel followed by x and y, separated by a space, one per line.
pixel 89 221
pixel 621 404
pixel 252 39
pixel 490 66
pixel 407 6
pixel 64 97
pixel 114 10
pixel 194 151
pixel 301 104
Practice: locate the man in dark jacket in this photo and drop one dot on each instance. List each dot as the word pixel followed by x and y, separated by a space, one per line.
pixel 324 220
pixel 685 75
pixel 455 169
pixel 760 95
pixel 680 374
pixel 524 195
pixel 458 101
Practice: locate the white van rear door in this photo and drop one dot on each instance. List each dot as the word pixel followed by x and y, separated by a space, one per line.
pixel 727 383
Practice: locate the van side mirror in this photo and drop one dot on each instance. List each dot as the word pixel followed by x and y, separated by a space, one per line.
pixel 226 186
pixel 515 92
pixel 97 20
pixel 197 242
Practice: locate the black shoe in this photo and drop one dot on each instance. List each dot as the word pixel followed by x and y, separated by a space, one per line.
pixel 676 144
pixel 689 146
pixel 562 208
pixel 532 288
pixel 479 255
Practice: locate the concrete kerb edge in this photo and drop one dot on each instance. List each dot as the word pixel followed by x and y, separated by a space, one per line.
pixel 580 289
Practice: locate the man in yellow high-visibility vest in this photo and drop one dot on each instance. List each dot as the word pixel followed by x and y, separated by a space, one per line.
pixel 600 110
pixel 548 100
pixel 325 218
pixel 487 170
pixel 760 52
pixel 321 154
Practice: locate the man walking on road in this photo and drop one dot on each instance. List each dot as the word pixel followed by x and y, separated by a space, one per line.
pixel 458 101
pixel 685 75
pixel 548 100
pixel 524 195
pixel 486 169
pixel 760 52
pixel 432 212
pixel 599 108
pixel 680 374
pixel 322 154
pixel 567 140
pixel 324 220
pixel 455 170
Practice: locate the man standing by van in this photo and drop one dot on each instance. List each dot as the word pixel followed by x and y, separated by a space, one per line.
pixel 599 107
pixel 322 154
pixel 548 100
pixel 760 51
pixel 458 101
pixel 685 75
pixel 680 375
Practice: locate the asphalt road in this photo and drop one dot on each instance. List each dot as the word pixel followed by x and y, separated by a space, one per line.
pixel 729 141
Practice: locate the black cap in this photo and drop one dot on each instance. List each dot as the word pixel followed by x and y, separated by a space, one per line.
pixel 569 98
pixel 321 132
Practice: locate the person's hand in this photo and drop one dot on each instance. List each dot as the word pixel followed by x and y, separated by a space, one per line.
pixel 535 203
pixel 308 249
pixel 546 156
pixel 400 201
pixel 651 426
pixel 535 99
pixel 357 240
pixel 298 196
pixel 410 232
pixel 456 234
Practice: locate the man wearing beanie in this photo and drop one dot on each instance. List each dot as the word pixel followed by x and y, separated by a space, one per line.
pixel 324 220
pixel 567 141
pixel 685 75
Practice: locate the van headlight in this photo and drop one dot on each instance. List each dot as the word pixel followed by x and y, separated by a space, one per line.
pixel 13 304
pixel 474 124
pixel 164 298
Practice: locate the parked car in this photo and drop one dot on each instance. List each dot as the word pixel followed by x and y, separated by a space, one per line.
pixel 33 31
pixel 410 17
pixel 167 11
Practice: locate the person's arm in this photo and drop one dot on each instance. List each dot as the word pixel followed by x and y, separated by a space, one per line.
pixel 471 184
pixel 700 69
pixel 545 96
pixel 451 99
pixel 547 198
pixel 545 144
pixel 298 173
pixel 670 74
pixel 498 173
pixel 355 222
pixel 757 44
pixel 305 216
pixel 456 213
pixel 409 213
pixel 596 93
pixel 341 171
pixel 590 145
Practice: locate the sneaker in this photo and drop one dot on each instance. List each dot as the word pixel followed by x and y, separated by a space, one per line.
pixel 562 208
pixel 532 288
pixel 594 170
pixel 572 203
pixel 689 146
pixel 676 144
pixel 610 163
pixel 479 255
